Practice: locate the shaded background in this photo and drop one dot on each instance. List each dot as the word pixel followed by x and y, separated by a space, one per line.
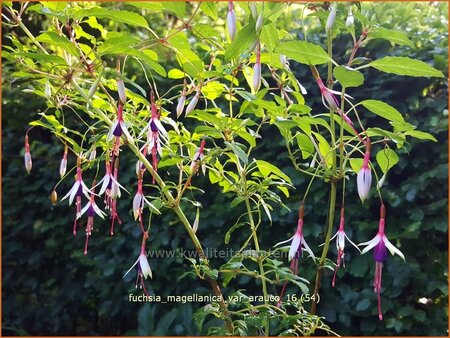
pixel 50 288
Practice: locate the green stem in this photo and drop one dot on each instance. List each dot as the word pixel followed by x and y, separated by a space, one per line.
pixel 326 246
pixel 260 264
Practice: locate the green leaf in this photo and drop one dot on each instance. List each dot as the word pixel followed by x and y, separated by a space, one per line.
pixel 242 41
pixel 176 7
pixel 421 135
pixel 356 164
pixel 325 149
pixel 269 36
pixel 147 58
pixel 384 110
pixel 149 5
pixel 127 17
pixel 305 145
pixel 55 59
pixel 394 36
pixel 210 9
pixel 401 65
pixel 175 74
pixel 386 159
pixel 117 45
pixel 362 305
pixel 348 77
pixel 303 52
pixel 61 41
pixel 238 152
pixel 267 168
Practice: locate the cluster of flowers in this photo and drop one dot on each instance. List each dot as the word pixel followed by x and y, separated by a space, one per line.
pixel 157 136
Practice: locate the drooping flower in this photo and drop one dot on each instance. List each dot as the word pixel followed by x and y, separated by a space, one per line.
pixel 199 155
pixel 296 248
pixel 138 203
pixel 92 209
pixel 364 178
pixel 379 243
pixel 77 190
pixel 231 21
pixel 330 101
pixel 181 101
pixel 27 157
pixel 143 267
pixel 257 68
pixel 63 165
pixel 114 195
pixel 119 126
pixel 107 182
pixel 259 23
pixel 156 134
pixel 340 236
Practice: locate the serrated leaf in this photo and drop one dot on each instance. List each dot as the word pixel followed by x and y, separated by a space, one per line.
pixel 60 41
pixel 384 110
pixel 401 65
pixel 303 52
pixel 348 77
pixel 386 159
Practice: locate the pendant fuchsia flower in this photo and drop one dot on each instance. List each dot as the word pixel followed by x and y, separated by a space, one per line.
pixel 379 243
pixel 364 178
pixel 143 267
pixel 340 245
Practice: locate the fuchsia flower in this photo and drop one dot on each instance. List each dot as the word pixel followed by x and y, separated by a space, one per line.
pixel 330 101
pixel 107 182
pixel 92 209
pixel 231 21
pixel 119 126
pixel 364 178
pixel 77 190
pixel 379 243
pixel 181 101
pixel 199 155
pixel 138 204
pixel 257 68
pixel 295 250
pixel 156 133
pixel 27 157
pixel 143 267
pixel 340 245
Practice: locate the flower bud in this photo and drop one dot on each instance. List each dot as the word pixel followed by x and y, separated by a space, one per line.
pixel 121 91
pixel 364 181
pixel 180 105
pixel 350 19
pixel 283 61
pixel 231 21
pixel 54 197
pixel 27 158
pixel 381 181
pixel 93 154
pixel 191 106
pixel 256 76
pixel 196 221
pixel 331 18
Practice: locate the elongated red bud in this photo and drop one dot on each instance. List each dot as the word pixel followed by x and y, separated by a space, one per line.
pixel 27 157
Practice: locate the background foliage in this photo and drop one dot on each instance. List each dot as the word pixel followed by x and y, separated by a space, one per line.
pixel 50 287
